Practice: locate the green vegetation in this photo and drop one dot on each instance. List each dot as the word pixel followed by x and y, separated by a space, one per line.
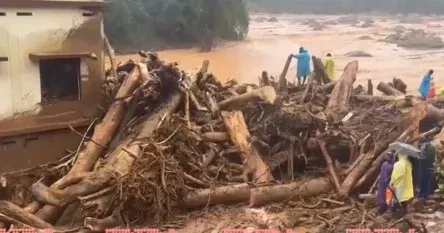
pixel 151 23
pixel 348 6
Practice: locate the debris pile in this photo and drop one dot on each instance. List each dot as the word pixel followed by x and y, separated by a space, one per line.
pixel 415 39
pixel 315 25
pixel 171 142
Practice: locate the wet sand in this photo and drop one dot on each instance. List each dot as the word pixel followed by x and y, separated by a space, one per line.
pixel 269 43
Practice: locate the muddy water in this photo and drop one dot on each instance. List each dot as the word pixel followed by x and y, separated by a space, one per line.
pixel 269 43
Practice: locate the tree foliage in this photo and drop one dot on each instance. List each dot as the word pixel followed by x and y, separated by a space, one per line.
pixel 350 6
pixel 138 23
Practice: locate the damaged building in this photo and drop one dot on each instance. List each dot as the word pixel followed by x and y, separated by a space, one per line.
pixel 51 68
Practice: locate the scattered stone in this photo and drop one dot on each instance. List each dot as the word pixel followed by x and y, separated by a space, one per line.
pixel 272 20
pixel 398 29
pixel 260 19
pixel 331 22
pixel 412 19
pixel 368 24
pixel 365 38
pixel 353 20
pixel 434 26
pixel 358 54
pixel 415 39
pixel 315 25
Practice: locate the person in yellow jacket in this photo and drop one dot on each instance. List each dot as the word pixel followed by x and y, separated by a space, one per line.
pixel 402 182
pixel 329 66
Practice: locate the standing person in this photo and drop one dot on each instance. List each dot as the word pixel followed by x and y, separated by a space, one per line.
pixel 329 66
pixel 303 65
pixel 427 173
pixel 384 181
pixel 402 182
pixel 424 88
pixel 432 92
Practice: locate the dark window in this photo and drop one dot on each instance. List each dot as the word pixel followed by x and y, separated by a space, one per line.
pixel 60 79
pixel 3 59
pixel 24 13
pixel 2 13
pixel 88 14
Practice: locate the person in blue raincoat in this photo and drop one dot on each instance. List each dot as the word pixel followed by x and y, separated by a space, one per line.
pixel 424 88
pixel 303 65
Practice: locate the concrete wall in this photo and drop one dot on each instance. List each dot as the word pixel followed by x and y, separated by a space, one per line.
pixel 48 30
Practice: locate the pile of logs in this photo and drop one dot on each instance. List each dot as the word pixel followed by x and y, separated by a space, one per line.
pixel 172 141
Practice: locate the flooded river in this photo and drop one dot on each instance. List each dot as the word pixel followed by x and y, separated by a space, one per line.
pixel 269 43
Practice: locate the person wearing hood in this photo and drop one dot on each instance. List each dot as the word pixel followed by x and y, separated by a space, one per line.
pixel 402 182
pixel 303 65
pixel 329 66
pixel 426 165
pixel 424 88
pixel 384 181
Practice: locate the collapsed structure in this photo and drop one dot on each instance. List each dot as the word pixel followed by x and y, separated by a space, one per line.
pixel 170 142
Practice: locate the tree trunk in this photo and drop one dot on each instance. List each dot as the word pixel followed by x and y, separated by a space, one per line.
pixel 112 57
pixel 411 124
pixel 388 90
pixel 278 193
pixel 215 196
pixel 321 75
pixel 266 94
pixel 359 90
pixel 369 87
pixel 240 136
pixel 400 85
pixel 340 97
pixel 282 78
pixel 12 211
pixel 380 98
pixel 329 162
pixel 216 137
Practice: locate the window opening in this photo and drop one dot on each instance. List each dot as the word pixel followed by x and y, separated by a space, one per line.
pixel 88 14
pixel 2 13
pixel 24 13
pixel 4 59
pixel 60 79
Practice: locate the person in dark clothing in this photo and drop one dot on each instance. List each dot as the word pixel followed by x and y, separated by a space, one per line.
pixel 384 181
pixel 426 188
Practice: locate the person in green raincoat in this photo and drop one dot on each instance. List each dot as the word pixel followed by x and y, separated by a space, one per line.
pixel 402 182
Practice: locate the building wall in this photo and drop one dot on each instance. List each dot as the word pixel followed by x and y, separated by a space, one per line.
pixel 48 30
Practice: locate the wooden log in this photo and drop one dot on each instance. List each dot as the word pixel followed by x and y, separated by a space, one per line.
pixel 340 97
pixel 101 225
pixel 282 78
pixel 265 80
pixel 321 76
pixel 216 137
pixel 240 136
pixel 103 132
pixel 399 85
pixel 330 164
pixel 388 90
pixel 266 94
pixel 278 193
pixel 19 214
pixel 411 122
pixel 369 87
pixel 359 90
pixel 378 98
pixel 215 196
pixel 327 87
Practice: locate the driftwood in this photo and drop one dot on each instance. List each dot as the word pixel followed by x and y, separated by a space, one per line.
pixel 340 97
pixel 112 56
pixel 277 193
pixel 216 137
pixel 240 136
pixel 14 212
pixel 282 78
pixel 266 94
pixel 221 195
pixel 388 90
pixel 369 87
pixel 399 85
pixel 329 163
pixel 320 74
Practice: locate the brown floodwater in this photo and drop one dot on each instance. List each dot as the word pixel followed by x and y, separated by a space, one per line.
pixel 269 43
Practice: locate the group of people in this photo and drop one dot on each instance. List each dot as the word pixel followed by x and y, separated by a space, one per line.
pixel 303 66
pixel 403 179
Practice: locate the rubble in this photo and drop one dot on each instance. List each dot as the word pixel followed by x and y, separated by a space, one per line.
pixel 315 25
pixel 358 54
pixel 172 142
pixel 365 38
